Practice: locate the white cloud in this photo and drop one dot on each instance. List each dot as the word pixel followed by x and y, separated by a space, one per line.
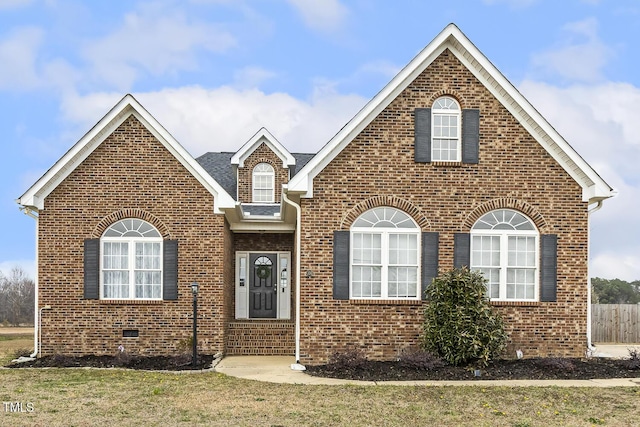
pixel 251 77
pixel 14 4
pixel 154 42
pixel 223 119
pixel 600 122
pixel 325 16
pixel 18 53
pixel 581 56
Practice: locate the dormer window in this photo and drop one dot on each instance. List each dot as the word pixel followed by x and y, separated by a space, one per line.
pixel 263 183
pixel 445 146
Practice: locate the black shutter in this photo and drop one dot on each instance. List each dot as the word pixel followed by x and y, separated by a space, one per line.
pixel 429 259
pixel 470 135
pixel 92 268
pixel 461 250
pixel 422 142
pixel 548 267
pixel 341 265
pixel 170 270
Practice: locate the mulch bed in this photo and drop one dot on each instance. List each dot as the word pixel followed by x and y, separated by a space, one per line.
pixel 155 363
pixel 366 370
pixel 530 369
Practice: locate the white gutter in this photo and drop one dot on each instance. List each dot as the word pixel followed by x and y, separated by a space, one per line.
pixel 296 366
pixel 590 347
pixel 36 314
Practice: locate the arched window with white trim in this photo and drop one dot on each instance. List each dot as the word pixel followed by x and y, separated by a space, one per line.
pixel 131 261
pixel 445 122
pixel 385 255
pixel 263 180
pixel 504 247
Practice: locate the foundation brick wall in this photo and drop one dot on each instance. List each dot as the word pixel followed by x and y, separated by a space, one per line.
pixel 262 154
pixel 378 169
pixel 132 174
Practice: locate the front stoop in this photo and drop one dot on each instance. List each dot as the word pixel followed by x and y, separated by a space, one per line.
pixel 261 337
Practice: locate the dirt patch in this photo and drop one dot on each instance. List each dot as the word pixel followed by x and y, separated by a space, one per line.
pixel 523 369
pixel 154 363
pixel 21 330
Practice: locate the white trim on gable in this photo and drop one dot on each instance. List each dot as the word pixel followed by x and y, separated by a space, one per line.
pixel 263 136
pixel 594 188
pixel 128 105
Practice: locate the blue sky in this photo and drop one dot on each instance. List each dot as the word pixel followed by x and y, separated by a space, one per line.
pixel 214 71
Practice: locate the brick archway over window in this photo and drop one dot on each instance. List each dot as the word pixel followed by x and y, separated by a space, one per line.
pixel 506 203
pixel 448 92
pixel 130 213
pixel 391 201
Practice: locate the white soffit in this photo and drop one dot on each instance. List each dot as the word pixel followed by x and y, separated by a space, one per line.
pixel 593 186
pixel 128 105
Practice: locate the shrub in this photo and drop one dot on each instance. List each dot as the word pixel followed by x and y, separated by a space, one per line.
pixel 633 362
pixel 350 358
pixel 419 359
pixel 459 324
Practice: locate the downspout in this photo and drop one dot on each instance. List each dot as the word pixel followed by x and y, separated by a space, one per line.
pixel 36 314
pixel 296 366
pixel 590 347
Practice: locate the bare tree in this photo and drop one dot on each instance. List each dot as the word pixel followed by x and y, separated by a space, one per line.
pixel 17 297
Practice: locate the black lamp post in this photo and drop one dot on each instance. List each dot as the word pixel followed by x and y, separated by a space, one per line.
pixel 194 290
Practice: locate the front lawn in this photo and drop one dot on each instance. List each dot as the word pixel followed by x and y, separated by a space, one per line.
pixel 81 397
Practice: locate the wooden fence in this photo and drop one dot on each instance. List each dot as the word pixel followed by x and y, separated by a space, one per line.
pixel 615 323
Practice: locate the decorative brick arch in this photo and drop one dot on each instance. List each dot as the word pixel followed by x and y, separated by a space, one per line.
pixel 392 201
pixel 107 221
pixel 506 203
pixel 448 92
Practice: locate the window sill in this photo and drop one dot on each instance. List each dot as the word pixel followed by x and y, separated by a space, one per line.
pixel 130 301
pixel 447 164
pixel 385 302
pixel 516 303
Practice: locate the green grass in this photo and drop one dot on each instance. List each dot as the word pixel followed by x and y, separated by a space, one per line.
pixel 79 397
pixel 92 397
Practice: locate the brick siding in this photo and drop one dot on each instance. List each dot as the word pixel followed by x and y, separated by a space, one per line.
pixel 514 171
pixel 131 172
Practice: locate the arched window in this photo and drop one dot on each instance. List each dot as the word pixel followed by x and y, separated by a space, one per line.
pixel 385 248
pixel 445 122
pixel 504 247
pixel 263 183
pixel 131 261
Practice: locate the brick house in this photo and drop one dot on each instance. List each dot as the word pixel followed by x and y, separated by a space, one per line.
pixel 309 254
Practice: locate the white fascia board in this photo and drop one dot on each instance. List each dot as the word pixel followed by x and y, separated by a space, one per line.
pixel 594 187
pixel 263 135
pixel 128 105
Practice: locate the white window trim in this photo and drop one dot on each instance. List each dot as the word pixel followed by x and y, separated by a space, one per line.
pixel 271 174
pixel 504 259
pixel 442 112
pixel 385 233
pixel 131 241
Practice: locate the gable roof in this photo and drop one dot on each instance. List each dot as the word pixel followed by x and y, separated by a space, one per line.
pixel 219 166
pixel 594 188
pixel 128 105
pixel 263 136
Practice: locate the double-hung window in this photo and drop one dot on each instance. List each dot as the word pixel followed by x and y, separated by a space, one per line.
pixel 385 248
pixel 504 247
pixel 263 183
pixel 131 261
pixel 445 122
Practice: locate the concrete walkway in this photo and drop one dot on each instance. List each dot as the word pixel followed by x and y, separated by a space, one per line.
pixel 277 369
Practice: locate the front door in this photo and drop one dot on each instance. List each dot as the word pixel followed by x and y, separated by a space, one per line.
pixel 263 286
